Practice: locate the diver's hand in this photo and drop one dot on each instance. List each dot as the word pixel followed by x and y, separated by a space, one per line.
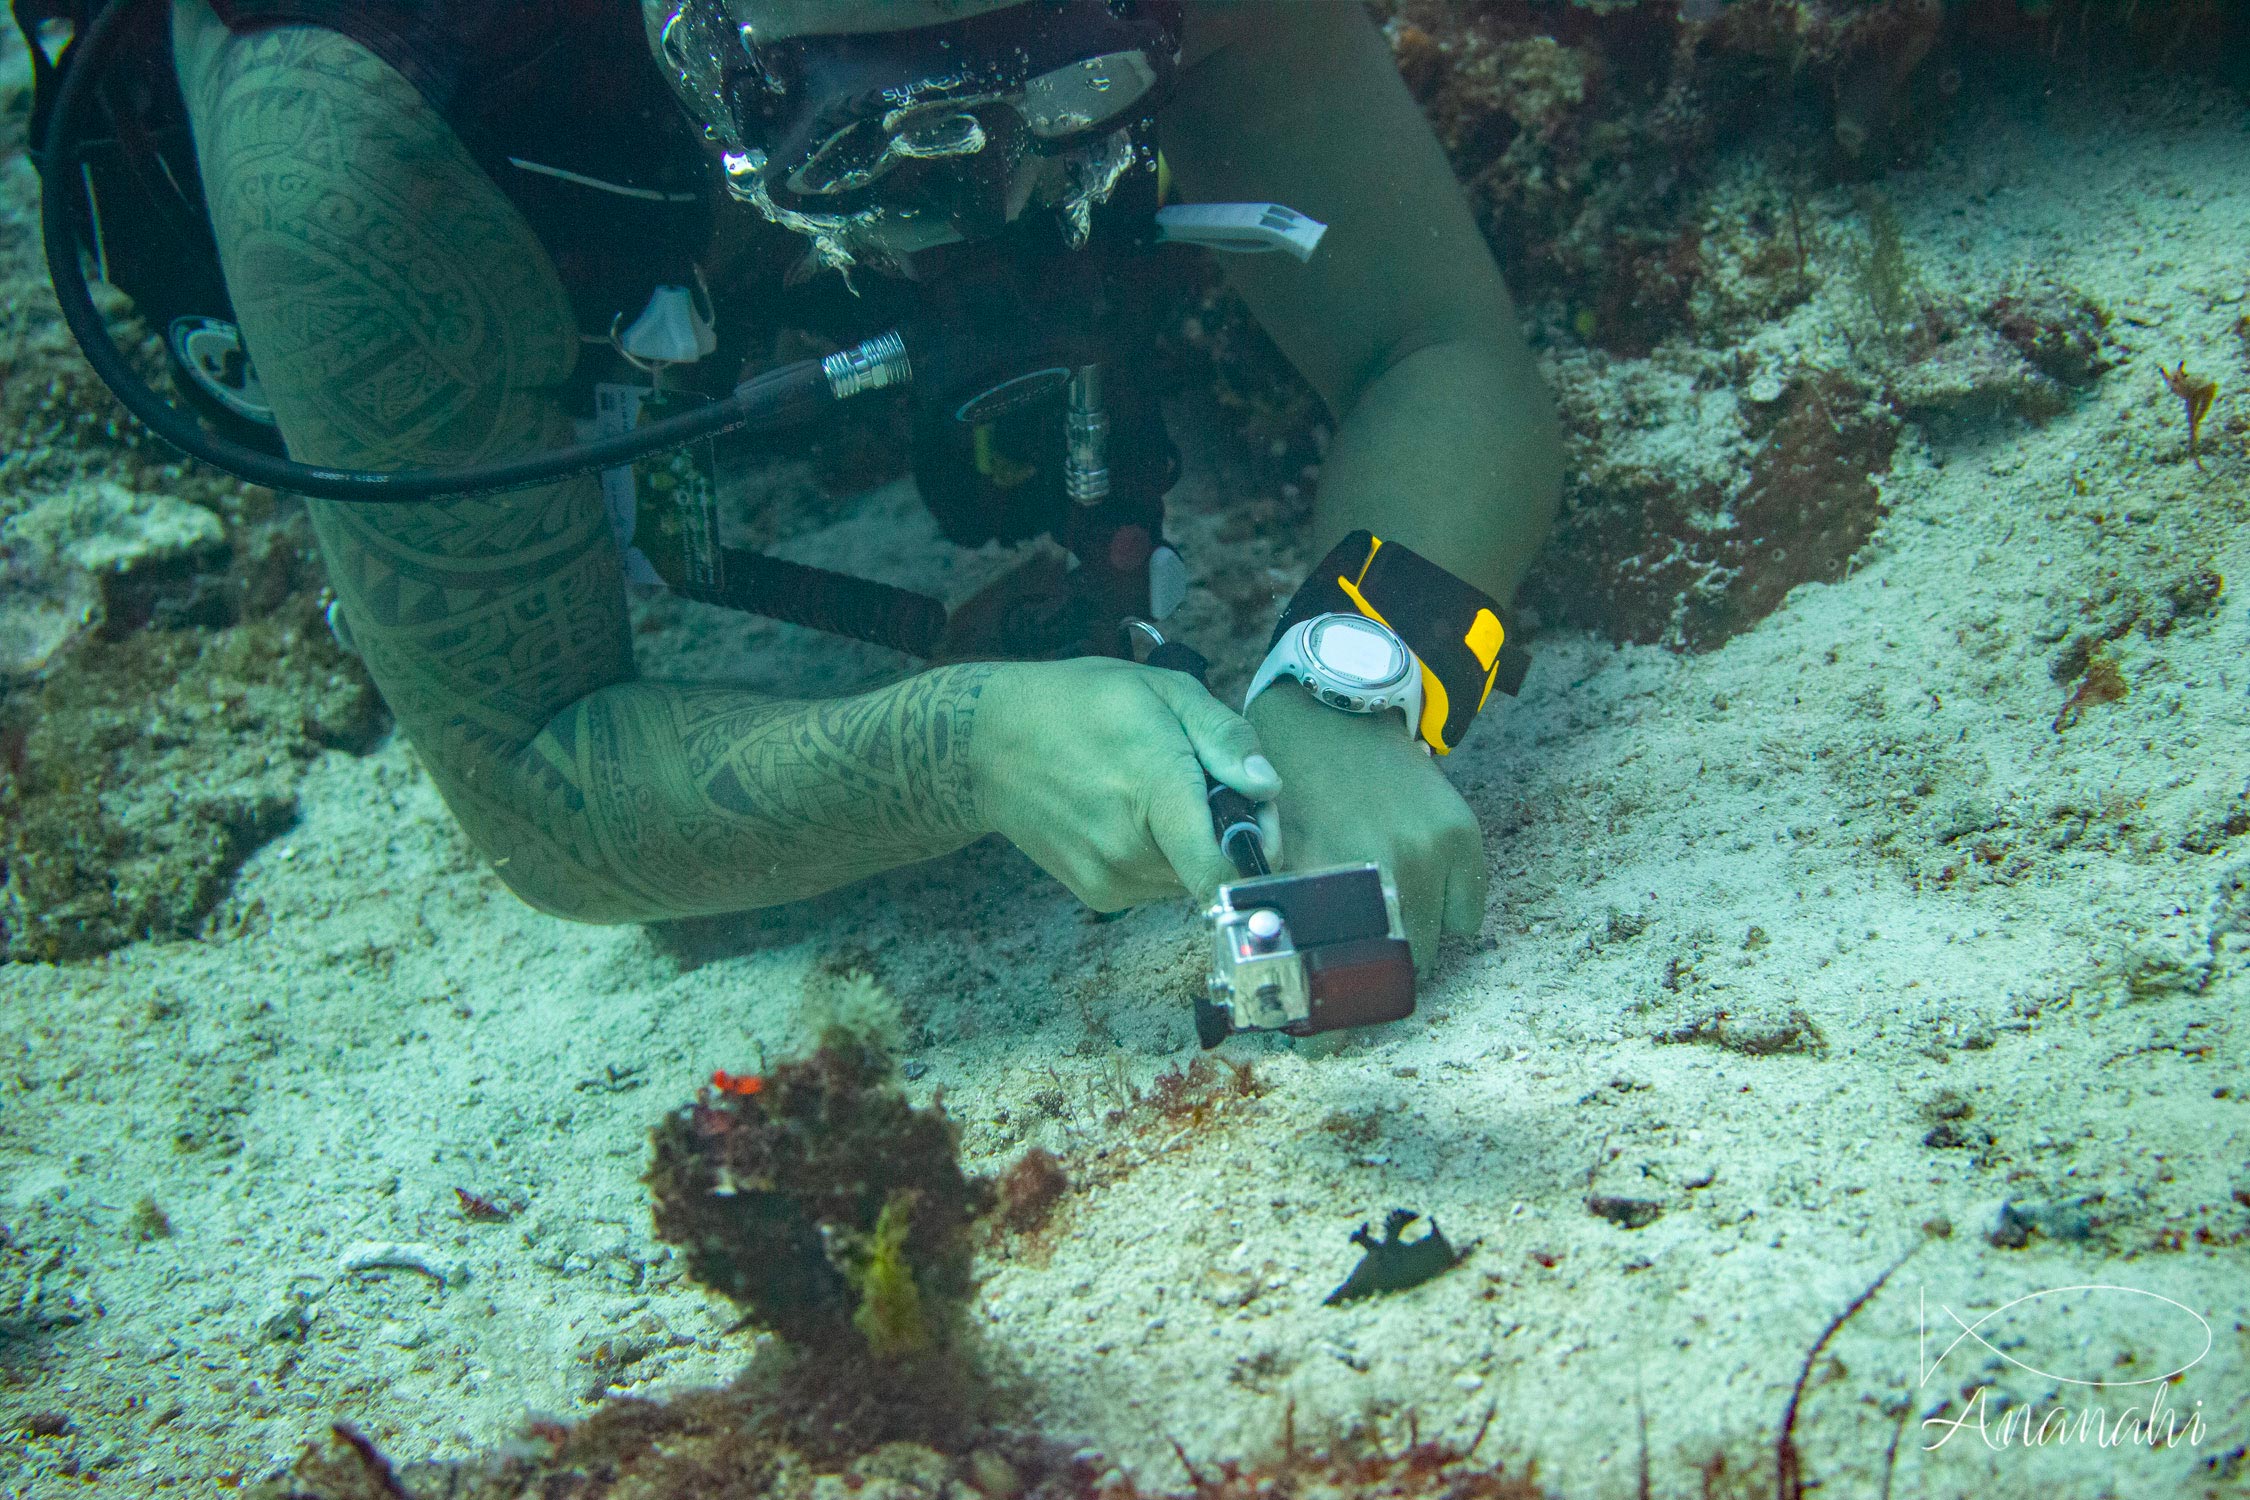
pixel 1094 768
pixel 1360 789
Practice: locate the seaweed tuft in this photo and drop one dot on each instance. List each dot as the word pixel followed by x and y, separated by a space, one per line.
pixel 1030 1189
pixel 1193 1096
pixel 824 1204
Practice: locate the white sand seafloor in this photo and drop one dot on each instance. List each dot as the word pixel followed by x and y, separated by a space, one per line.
pixel 1696 847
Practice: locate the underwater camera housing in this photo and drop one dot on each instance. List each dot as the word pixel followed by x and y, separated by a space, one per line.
pixel 1299 952
pixel 1305 953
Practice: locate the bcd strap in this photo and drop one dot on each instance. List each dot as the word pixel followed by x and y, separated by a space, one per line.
pixel 1459 632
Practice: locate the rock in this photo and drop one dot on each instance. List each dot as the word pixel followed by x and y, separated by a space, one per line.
pixel 2058 329
pixel 895 1471
pixel 994 1477
pixel 2072 1222
pixel 68 562
pixel 106 528
pixel 285 1318
pixel 1539 82
pixel 1229 1288
pixel 402 1335
pixel 396 1255
pixel 1690 551
pixel 1975 376
pixel 1625 1213
pixel 135 783
pixel 43 608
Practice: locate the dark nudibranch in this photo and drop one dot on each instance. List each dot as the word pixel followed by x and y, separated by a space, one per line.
pixel 1392 1264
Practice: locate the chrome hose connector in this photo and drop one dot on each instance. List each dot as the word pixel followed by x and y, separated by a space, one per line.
pixel 1086 439
pixel 869 366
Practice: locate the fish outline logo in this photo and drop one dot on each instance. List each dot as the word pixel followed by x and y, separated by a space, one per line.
pixel 1929 1367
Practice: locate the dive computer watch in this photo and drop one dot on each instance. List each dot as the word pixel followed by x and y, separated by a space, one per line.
pixel 1349 662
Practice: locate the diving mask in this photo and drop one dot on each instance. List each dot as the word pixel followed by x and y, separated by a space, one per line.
pixel 879 143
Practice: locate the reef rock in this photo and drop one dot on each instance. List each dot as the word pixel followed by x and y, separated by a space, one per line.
pixel 69 559
pixel 1977 375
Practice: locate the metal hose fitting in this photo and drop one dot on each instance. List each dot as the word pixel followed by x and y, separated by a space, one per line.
pixel 868 366
pixel 1086 440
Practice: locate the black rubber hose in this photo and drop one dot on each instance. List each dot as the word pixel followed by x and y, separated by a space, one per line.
pixel 838 603
pixel 791 394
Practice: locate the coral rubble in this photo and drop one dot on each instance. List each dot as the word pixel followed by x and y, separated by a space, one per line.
pixel 165 675
pixel 1646 559
pixel 138 775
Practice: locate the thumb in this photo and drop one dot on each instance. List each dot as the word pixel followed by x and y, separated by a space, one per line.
pixel 1269 832
pixel 1223 739
pixel 1465 890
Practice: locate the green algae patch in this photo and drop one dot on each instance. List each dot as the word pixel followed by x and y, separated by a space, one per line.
pixel 890 1315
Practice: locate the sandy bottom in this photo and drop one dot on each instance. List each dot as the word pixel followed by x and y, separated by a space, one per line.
pixel 1826 946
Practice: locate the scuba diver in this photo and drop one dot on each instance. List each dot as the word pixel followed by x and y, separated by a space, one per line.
pixel 442 226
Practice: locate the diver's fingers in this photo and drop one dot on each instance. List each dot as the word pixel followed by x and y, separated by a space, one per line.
pixel 1179 820
pixel 1269 832
pixel 1467 885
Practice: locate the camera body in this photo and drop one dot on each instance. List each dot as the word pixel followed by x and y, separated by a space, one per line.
pixel 1306 952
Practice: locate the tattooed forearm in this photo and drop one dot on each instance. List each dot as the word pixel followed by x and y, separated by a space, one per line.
pixel 402 312
pixel 762 801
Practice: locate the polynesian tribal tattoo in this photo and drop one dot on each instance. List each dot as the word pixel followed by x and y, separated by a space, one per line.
pixel 403 313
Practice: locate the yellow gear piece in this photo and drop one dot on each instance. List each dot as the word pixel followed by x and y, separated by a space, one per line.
pixel 1435 704
pixel 1003 471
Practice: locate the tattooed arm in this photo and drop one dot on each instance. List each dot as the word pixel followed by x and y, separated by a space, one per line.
pixel 403 313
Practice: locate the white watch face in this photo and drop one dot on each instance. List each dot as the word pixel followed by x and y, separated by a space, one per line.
pixel 1357 652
